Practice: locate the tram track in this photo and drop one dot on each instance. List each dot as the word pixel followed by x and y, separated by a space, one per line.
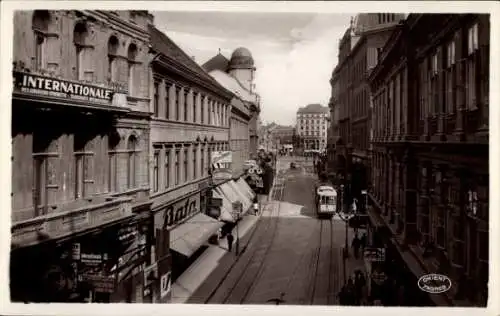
pixel 251 269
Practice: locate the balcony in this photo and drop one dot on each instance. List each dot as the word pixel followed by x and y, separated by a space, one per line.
pixel 48 88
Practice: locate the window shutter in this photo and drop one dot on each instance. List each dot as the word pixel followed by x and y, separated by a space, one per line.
pixel 52 53
pixel 87 64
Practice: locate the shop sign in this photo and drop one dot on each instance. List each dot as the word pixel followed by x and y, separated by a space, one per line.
pixel 214 211
pixel 217 202
pixel 180 210
pixel 237 207
pixel 100 283
pixel 165 284
pixel 93 259
pixel 59 88
pixel 203 185
pixel 374 254
pixel 222 157
pixel 222 174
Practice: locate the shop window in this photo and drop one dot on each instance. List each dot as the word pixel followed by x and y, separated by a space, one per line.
pixel 132 158
pixel 131 63
pixel 156 163
pixel 186 170
pixel 84 60
pixel 113 45
pixel 156 104
pixel 167 101
pixel 177 167
pixel 166 167
pixel 40 24
pixel 472 39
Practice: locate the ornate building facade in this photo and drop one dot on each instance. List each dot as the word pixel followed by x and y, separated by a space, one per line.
pixel 80 135
pixel 430 150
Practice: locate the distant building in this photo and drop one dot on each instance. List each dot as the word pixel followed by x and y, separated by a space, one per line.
pixel 283 135
pixel 312 126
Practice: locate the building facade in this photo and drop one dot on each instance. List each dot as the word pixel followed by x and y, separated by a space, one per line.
pixel 430 151
pixel 191 120
pixel 358 54
pixel 80 135
pixel 237 74
pixel 239 134
pixel 312 126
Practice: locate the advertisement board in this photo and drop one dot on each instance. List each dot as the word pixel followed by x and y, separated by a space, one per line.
pixel 221 157
pixel 165 284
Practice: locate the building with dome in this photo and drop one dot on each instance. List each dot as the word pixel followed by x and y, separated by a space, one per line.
pixel 237 74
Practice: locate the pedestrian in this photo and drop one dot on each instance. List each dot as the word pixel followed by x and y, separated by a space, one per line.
pixel 230 240
pixel 256 205
pixel 359 284
pixel 342 296
pixel 350 292
pixel 355 246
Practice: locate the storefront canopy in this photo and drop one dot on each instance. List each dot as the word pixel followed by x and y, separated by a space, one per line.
pixel 192 234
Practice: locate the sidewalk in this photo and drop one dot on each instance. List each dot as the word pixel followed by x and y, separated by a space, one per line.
pixel 189 282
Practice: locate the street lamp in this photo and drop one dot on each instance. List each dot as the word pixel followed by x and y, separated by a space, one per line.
pixel 345 215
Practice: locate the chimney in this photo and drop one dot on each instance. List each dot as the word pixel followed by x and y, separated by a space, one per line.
pixel 193 58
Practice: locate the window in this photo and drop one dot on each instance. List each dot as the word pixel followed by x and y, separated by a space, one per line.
pixel 156 176
pixel 186 170
pixel 83 150
pixel 450 50
pixel 186 105
pixel 167 101
pixel 83 60
pixel 131 161
pixel 156 100
pixel 194 106
pixel 178 104
pixel 472 39
pixel 202 162
pixel 40 25
pixel 177 167
pixel 131 62
pixel 434 65
pixel 45 180
pixel 113 141
pixel 166 166
pixel 195 165
pixel 113 45
pixel 202 110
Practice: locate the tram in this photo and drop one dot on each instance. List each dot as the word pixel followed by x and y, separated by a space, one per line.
pixel 326 201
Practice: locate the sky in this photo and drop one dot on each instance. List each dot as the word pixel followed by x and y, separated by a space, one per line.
pixel 294 53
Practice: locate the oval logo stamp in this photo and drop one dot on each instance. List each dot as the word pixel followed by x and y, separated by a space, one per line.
pixel 434 283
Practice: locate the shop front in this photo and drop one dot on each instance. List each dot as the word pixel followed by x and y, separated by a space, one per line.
pixel 97 266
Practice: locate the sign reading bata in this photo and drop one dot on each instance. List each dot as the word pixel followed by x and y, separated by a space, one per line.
pixel 54 87
pixel 222 157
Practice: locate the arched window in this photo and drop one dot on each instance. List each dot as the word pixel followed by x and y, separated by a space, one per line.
pixel 131 161
pixel 131 58
pixel 112 53
pixel 80 35
pixel 40 25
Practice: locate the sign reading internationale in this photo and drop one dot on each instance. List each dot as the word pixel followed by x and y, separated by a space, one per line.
pixel 55 87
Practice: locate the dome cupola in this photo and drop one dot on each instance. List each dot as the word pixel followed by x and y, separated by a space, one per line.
pixel 241 59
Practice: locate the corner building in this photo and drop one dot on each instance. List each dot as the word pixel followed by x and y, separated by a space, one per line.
pixel 80 135
pixel 430 154
pixel 312 126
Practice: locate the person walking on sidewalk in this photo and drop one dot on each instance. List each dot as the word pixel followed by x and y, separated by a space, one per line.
pixel 256 205
pixel 363 243
pixel 230 240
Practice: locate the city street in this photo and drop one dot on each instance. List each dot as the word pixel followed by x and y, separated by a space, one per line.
pixel 292 256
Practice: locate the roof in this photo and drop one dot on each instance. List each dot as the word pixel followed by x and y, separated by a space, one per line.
pixel 163 44
pixel 218 62
pixel 233 85
pixel 313 108
pixel 241 58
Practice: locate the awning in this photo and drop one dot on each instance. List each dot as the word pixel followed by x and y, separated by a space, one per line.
pixel 225 214
pixel 246 188
pixel 192 234
pixel 245 200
